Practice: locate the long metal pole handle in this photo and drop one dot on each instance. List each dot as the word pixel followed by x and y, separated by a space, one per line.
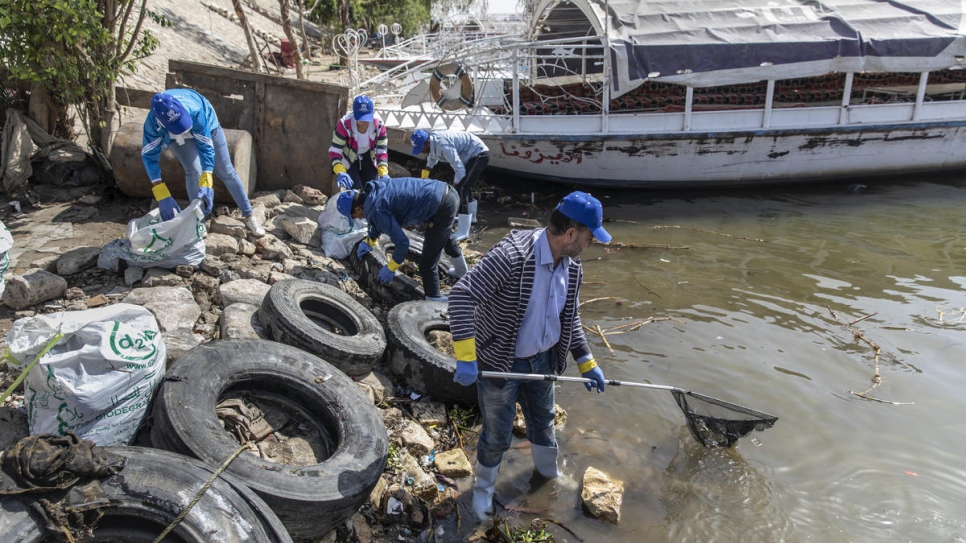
pixel 541 377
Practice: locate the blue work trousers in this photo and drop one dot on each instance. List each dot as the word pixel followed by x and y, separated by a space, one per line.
pixel 438 238
pixel 498 406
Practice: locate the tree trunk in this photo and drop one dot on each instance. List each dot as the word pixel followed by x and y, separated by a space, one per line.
pixel 305 39
pixel 252 47
pixel 296 47
pixel 106 124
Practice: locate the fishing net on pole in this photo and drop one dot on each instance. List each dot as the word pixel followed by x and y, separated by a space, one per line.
pixel 717 423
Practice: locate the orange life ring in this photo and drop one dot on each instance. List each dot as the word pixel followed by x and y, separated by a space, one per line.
pixel 448 71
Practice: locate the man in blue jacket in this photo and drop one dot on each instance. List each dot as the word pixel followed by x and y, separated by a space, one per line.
pixel 516 311
pixel 389 205
pixel 184 120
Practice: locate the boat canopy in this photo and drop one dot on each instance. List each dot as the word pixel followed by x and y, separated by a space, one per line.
pixel 705 43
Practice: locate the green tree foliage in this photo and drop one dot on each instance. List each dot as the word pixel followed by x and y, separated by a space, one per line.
pixel 369 14
pixel 75 50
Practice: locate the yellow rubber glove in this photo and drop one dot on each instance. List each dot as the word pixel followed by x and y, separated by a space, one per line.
pixel 393 265
pixel 167 207
pixel 383 171
pixel 589 370
pixel 465 349
pixel 206 193
pixel 160 191
pixel 424 174
pixel 466 367
pixel 338 168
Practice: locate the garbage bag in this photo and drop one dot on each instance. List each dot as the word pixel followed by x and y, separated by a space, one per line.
pixel 6 243
pixel 339 234
pixel 153 243
pixel 98 380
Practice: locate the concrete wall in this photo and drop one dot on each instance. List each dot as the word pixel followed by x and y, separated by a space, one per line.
pixel 291 120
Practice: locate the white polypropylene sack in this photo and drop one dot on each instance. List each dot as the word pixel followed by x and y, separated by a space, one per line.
pixel 339 235
pixel 98 380
pixel 6 243
pixel 153 243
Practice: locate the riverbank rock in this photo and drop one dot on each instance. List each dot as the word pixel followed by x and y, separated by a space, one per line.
pixel 33 287
pixel 601 496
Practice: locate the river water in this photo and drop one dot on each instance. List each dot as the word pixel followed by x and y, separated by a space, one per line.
pixel 777 300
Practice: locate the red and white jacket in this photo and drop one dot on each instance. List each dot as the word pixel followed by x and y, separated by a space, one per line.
pixel 345 142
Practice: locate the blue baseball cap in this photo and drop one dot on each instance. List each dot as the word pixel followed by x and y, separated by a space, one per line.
pixel 362 108
pixel 586 210
pixel 171 113
pixel 344 203
pixel 418 140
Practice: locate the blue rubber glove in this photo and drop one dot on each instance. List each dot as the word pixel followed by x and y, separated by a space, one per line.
pixel 589 370
pixel 344 181
pixel 466 372
pixel 364 248
pixel 384 178
pixel 207 197
pixel 206 192
pixel 168 208
pixel 385 274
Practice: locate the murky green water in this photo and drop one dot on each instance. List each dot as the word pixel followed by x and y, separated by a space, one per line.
pixel 762 287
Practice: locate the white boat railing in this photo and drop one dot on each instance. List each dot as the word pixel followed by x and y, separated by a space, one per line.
pixel 504 66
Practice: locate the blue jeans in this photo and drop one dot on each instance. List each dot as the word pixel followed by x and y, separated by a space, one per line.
pixel 498 406
pixel 188 156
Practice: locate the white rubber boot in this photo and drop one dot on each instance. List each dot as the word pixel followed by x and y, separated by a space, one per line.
pixel 545 460
pixel 459 267
pixel 463 227
pixel 483 491
pixel 472 207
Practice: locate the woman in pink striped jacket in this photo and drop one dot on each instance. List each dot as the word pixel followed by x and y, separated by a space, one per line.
pixel 360 146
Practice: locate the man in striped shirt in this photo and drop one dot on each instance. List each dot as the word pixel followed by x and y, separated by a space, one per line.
pixel 516 311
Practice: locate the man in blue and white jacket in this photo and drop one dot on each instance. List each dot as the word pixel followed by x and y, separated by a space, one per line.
pixel 184 121
pixel 516 311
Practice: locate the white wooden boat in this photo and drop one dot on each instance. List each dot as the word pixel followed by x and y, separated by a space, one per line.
pixel 684 93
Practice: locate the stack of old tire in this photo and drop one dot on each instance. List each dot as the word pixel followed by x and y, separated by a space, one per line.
pixel 148 494
pixel 323 338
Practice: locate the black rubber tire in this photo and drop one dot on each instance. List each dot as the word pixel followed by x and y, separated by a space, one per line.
pixel 413 358
pixel 150 492
pixel 366 270
pixel 309 500
pixel 306 314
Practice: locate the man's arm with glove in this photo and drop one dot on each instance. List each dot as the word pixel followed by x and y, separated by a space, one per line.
pixel 365 246
pixel 388 271
pixel 383 171
pixel 343 180
pixel 589 370
pixel 166 204
pixel 467 369
pixel 206 192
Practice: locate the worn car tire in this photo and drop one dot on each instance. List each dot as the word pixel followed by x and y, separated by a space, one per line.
pixel 324 321
pixel 417 361
pixel 366 269
pixel 310 500
pixel 149 493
